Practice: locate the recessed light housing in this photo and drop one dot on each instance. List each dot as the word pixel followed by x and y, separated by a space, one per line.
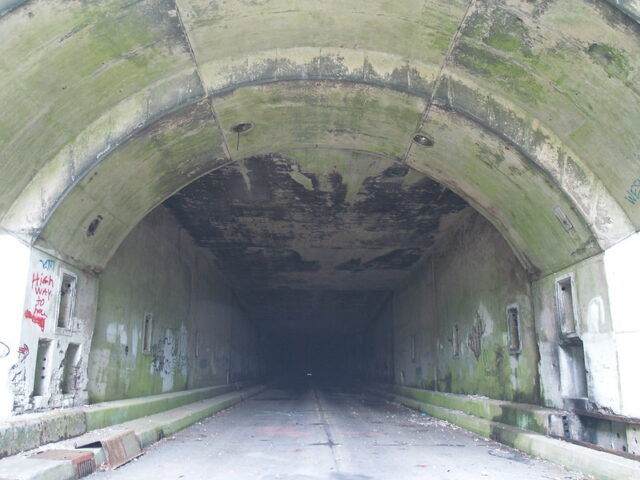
pixel 242 127
pixel 423 140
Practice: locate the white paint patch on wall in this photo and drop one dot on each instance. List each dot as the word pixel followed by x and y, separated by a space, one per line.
pixel 602 369
pixel 112 332
pixel 98 372
pixel 182 349
pixel 622 265
pixel 595 316
pixel 169 353
pixel 122 334
pixel 14 258
pixel 513 363
pixel 133 350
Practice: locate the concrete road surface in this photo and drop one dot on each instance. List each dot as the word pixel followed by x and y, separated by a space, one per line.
pixel 309 433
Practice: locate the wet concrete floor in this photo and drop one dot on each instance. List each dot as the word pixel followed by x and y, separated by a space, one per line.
pixel 313 433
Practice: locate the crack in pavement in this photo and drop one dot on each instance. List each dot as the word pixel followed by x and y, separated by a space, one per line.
pixel 327 430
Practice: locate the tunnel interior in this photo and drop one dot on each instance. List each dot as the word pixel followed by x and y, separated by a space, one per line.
pixel 440 197
pixel 313 248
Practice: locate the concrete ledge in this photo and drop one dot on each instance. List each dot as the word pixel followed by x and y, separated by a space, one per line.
pixel 155 427
pixel 148 429
pixel 601 465
pixel 31 430
pixel 102 415
pixel 521 415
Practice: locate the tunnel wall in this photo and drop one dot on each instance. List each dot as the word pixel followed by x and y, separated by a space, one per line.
pixel 450 326
pixel 450 319
pixel 197 334
pixel 594 336
pixel 593 367
pixel 49 366
pixel 375 359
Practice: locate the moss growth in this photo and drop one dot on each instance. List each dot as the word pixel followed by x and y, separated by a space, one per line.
pixel 501 30
pixel 507 74
pixel 611 59
pixel 335 115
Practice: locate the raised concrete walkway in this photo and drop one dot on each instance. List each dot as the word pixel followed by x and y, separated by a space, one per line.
pixel 102 420
pixel 525 427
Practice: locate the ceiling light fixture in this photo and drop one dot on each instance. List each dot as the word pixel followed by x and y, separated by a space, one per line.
pixel 423 140
pixel 242 127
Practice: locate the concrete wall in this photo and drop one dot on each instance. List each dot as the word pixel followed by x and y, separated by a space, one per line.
pixel 375 359
pixel 607 329
pixel 451 332
pixel 197 335
pixel 50 365
pixel 450 318
pixel 561 382
pixel 578 331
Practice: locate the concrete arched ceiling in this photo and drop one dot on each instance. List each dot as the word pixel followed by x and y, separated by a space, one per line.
pixel 111 107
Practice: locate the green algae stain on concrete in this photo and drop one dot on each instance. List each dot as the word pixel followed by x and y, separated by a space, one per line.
pixel 131 181
pixel 74 63
pixel 501 29
pixel 331 115
pixel 612 60
pixel 504 72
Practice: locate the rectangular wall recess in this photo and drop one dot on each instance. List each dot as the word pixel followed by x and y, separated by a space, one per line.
pixel 43 368
pixel 71 363
pixel 147 332
pixel 67 299
pixel 573 372
pixel 513 325
pixel 456 340
pixel 566 306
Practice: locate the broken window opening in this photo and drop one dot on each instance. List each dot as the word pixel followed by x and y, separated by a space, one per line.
pixel 43 368
pixel 67 300
pixel 513 325
pixel 71 365
pixel 147 330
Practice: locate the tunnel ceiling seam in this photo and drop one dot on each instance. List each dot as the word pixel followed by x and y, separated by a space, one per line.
pixel 436 84
pixel 206 95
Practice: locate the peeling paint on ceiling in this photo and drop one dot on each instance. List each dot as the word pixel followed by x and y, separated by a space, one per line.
pixel 344 227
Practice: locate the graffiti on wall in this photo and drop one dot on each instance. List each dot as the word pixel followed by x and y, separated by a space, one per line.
pixel 475 337
pixel 23 352
pixel 47 264
pixel 169 357
pixel 42 285
pixel 4 350
pixel 633 194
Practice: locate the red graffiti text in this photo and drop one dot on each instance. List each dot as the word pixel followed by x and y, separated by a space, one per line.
pixel 23 351
pixel 42 286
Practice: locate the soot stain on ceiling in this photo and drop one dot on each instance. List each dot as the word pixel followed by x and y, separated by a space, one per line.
pixel 300 232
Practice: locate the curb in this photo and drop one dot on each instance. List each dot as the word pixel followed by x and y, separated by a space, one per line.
pixel 28 431
pixel 148 430
pixel 603 466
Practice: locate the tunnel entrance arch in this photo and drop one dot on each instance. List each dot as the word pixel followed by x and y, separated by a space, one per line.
pixel 528 116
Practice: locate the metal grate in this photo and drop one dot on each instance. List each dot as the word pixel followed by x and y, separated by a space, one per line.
pixel 118 448
pixel 85 468
pixel 83 462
